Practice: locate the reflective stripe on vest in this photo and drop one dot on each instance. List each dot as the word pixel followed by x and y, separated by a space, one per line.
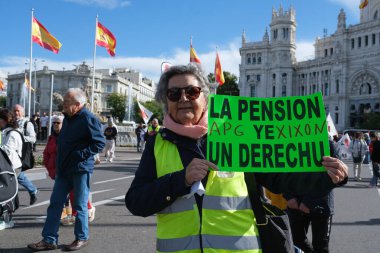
pixel 227 218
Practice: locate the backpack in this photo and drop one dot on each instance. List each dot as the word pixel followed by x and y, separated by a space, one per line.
pixel 8 185
pixel 27 156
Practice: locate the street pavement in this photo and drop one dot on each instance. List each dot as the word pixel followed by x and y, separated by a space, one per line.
pixel 355 225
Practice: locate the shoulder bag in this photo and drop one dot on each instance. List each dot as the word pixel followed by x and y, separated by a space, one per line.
pixel 272 223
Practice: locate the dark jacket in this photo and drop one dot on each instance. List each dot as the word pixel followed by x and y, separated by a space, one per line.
pixel 375 156
pixel 79 140
pixel 110 133
pixel 138 131
pixel 322 204
pixel 149 194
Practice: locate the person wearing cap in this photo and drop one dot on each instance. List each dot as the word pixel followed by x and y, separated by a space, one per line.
pixel 110 133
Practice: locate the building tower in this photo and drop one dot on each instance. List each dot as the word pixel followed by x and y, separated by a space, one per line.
pixel 283 48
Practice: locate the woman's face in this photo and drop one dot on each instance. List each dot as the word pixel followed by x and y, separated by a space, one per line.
pixel 186 111
pixel 57 126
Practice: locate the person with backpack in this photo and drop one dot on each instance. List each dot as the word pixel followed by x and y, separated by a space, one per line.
pixel 358 148
pixel 27 129
pixel 12 146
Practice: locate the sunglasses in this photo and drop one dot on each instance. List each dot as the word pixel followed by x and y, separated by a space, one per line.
pixel 191 93
pixel 56 123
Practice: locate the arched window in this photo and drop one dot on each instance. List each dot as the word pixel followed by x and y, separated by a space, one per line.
pixel 253 58
pixel 375 15
pixel 248 58
pixel 273 91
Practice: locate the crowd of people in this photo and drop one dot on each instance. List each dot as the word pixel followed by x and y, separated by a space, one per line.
pixel 174 181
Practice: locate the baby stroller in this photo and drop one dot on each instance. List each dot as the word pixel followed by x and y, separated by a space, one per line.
pixel 8 191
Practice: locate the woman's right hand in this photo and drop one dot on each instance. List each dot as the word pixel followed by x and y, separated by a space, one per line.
pixel 292 203
pixel 197 170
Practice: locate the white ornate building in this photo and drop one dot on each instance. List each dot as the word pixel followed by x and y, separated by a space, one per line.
pixel 346 66
pixel 107 81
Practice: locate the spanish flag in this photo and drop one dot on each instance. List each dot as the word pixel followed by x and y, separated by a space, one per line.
pixel 105 38
pixel 43 38
pixel 2 86
pixel 219 77
pixel 27 83
pixel 193 55
pixel 363 4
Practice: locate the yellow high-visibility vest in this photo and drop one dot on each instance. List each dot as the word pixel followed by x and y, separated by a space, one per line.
pixel 150 129
pixel 227 225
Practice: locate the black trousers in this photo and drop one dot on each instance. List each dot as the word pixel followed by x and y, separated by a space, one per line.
pixel 320 230
pixel 43 133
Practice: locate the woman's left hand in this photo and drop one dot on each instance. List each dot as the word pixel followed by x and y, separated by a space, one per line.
pixel 337 170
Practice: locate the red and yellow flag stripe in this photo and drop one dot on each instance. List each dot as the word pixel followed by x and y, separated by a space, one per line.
pixel 27 83
pixel 363 4
pixel 219 76
pixel 2 85
pixel 193 55
pixel 105 38
pixel 42 37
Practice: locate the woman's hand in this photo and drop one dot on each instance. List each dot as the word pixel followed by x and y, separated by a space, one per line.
pixel 197 170
pixel 292 203
pixel 304 208
pixel 336 169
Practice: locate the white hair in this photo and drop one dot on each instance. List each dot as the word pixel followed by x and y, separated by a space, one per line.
pixel 78 95
pixel 57 118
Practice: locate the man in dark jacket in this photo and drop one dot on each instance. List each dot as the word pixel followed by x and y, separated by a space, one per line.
pixel 79 140
pixel 375 158
pixel 138 131
pixel 315 210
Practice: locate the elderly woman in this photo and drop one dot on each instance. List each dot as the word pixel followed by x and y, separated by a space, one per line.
pixel 174 160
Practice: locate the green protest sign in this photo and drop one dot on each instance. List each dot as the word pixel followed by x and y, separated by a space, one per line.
pixel 287 134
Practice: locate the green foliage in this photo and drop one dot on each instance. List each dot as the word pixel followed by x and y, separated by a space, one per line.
pixel 152 106
pixel 230 87
pixel 117 102
pixel 370 121
pixel 3 102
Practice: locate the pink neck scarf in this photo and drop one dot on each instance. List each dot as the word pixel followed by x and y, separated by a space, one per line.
pixel 194 131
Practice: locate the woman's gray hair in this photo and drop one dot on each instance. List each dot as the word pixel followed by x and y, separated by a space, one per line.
pixel 78 95
pixel 191 69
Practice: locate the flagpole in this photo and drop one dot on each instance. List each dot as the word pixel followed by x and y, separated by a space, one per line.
pixel 24 92
pixel 30 64
pixel 51 103
pixel 214 85
pixel 93 67
pixel 129 101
